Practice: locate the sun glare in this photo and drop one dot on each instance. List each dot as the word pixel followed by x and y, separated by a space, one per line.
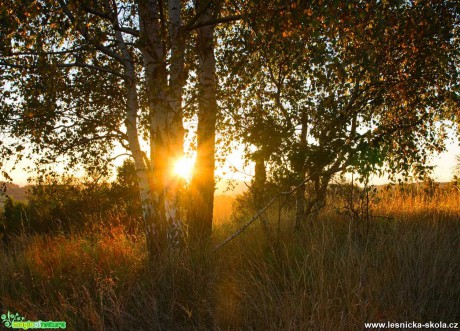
pixel 184 168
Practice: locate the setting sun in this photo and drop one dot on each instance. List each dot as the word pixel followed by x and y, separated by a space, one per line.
pixel 184 168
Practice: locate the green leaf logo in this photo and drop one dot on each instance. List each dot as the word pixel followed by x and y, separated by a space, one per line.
pixel 9 318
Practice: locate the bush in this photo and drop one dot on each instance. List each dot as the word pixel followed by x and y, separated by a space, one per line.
pixel 14 216
pixel 66 204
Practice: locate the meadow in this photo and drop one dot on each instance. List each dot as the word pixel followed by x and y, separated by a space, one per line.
pixel 402 263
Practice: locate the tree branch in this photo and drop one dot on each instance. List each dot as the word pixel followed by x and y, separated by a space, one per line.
pixel 130 31
pixel 231 18
pixel 259 213
pixel 84 32
pixel 216 21
pixel 32 53
pixel 63 65
pixel 90 66
pixel 188 26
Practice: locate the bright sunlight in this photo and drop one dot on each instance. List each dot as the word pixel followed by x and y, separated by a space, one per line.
pixel 184 168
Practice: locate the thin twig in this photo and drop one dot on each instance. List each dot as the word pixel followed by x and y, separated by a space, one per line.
pixel 258 214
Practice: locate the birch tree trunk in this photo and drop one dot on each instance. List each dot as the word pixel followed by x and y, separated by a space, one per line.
pixel 202 185
pixel 153 230
pixel 300 203
pixel 177 78
pixel 260 178
pixel 165 109
pixel 300 206
pixel 153 55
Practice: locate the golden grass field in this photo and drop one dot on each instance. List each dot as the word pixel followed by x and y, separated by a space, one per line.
pixel 338 275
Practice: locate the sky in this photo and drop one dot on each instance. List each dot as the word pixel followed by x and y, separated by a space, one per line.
pixel 445 162
pixel 234 169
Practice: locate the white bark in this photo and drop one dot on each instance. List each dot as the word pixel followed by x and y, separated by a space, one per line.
pixel 153 54
pixel 152 230
pixel 176 130
pixel 202 186
pixel 166 131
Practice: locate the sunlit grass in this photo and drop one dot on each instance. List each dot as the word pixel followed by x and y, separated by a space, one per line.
pixel 334 277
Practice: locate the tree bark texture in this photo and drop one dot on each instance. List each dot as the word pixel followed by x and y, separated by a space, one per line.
pixel 154 231
pixel 202 185
pixel 301 171
pixel 258 188
pixel 164 93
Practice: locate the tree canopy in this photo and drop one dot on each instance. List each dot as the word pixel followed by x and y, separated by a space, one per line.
pixel 315 88
pixel 361 85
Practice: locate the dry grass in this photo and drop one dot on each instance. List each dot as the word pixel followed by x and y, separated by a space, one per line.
pixel 334 277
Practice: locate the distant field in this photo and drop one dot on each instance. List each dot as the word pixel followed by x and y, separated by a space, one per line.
pixel 225 192
pixel 223 205
pixel 16 192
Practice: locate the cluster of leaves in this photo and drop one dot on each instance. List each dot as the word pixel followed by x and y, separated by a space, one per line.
pixel 61 96
pixel 314 88
pixel 366 83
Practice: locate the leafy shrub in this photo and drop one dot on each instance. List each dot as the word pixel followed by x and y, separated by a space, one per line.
pixel 67 204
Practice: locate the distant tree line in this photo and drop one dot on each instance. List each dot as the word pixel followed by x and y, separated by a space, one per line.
pixel 70 205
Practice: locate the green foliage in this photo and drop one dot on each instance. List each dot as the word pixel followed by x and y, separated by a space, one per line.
pixel 125 189
pixel 312 88
pixel 54 104
pixel 15 216
pixel 66 204
pixel 352 85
